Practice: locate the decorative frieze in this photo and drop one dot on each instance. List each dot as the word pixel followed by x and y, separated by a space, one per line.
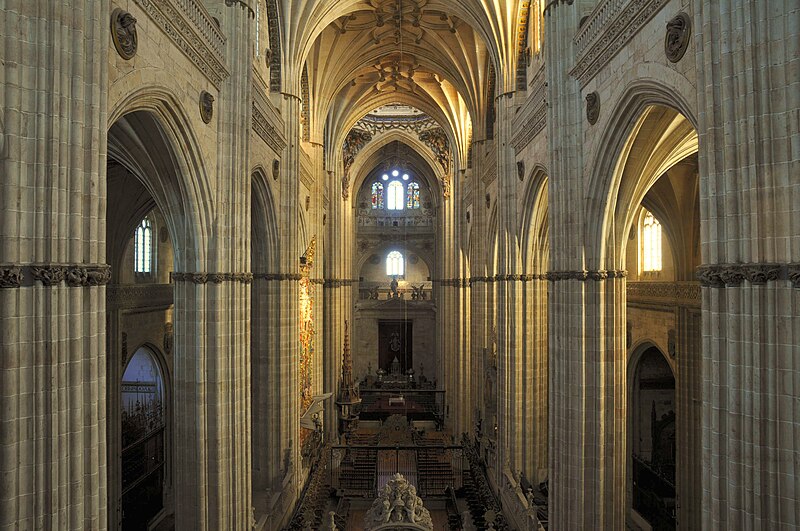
pixel 734 275
pixel 75 275
pixel 583 275
pixel 612 24
pixel 270 135
pixel 193 31
pixel 277 276
pixel 140 295
pixel 88 275
pixel 338 282
pixel 214 278
pixel 672 293
pixel 48 275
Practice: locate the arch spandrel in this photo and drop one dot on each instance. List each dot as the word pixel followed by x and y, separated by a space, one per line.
pixel 151 136
pixel 534 224
pixel 608 193
pixel 421 155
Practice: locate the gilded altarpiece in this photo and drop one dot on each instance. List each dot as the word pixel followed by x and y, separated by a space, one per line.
pixel 306 332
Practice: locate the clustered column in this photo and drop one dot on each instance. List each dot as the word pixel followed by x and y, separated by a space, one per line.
pixel 586 317
pixel 748 97
pixel 52 237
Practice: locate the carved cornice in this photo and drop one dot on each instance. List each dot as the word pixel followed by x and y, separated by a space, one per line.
pixel 140 295
pixel 583 275
pixel 612 24
pixel 193 31
pixel 535 113
pixel 267 131
pixel 203 277
pixel 734 275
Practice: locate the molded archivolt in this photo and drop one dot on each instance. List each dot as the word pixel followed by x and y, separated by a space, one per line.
pixel 534 226
pixel 266 239
pixel 151 137
pixel 615 190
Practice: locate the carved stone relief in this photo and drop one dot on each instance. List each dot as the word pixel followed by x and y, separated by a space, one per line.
pixel 521 170
pixel 677 38
pixel 123 33
pixel 10 277
pixel 206 106
pixel 592 107
pixel 672 344
pixel 276 169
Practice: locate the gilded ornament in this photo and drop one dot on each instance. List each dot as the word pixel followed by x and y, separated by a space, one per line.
pixel 123 33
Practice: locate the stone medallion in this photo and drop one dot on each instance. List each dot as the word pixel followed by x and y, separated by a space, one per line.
pixel 123 33
pixel 677 39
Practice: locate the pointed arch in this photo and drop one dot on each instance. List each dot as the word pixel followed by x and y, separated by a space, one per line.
pixel 607 216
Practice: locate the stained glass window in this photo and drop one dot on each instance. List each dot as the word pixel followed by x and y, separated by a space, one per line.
pixel 412 195
pixel 377 195
pixel 394 264
pixel 143 247
pixel 395 199
pixel 651 243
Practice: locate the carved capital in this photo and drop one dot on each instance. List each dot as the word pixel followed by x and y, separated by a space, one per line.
pixel 89 275
pixel 48 275
pixel 597 276
pixel 761 273
pixel 794 274
pixel 10 277
pixel 709 276
pixel 732 275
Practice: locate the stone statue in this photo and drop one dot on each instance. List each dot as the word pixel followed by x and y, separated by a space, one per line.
pixel 393 287
pixel 418 294
pixel 398 506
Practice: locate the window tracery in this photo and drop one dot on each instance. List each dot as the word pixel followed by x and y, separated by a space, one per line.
pixel 395 196
pixel 377 195
pixel 412 196
pixel 143 247
pixel 394 264
pixel 651 261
